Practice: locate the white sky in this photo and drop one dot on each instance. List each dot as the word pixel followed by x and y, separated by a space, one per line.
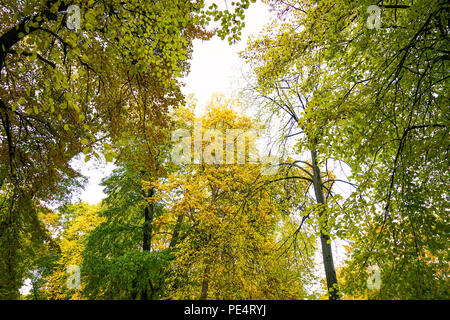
pixel 216 65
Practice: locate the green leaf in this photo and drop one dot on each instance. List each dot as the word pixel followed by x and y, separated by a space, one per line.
pixel 108 157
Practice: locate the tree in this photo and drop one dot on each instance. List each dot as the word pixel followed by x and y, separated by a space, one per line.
pixel 120 261
pixel 376 101
pixel 226 218
pixel 36 251
pixel 75 223
pixel 64 91
pixel 411 265
pixel 285 89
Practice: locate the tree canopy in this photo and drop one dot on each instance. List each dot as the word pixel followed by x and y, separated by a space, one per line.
pixel 353 96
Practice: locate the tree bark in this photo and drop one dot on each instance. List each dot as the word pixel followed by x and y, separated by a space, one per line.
pixel 176 231
pixel 327 254
pixel 205 283
pixel 149 212
pixel 16 33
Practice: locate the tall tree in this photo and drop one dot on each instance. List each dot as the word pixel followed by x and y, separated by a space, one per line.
pixel 378 101
pixel 121 260
pixel 285 90
pixel 75 222
pixel 65 86
pixel 230 215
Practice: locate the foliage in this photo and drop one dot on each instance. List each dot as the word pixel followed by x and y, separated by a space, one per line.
pixel 378 100
pixel 66 91
pixel 75 223
pixel 229 222
pixel 344 93
pixel 114 263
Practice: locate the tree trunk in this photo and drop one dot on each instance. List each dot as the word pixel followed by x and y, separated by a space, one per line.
pixel 149 213
pixel 176 231
pixel 327 254
pixel 205 283
pixel 148 219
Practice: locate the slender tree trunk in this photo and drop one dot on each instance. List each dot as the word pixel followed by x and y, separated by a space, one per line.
pixel 176 231
pixel 133 293
pixel 144 295
pixel 327 254
pixel 205 283
pixel 148 219
pixel 149 213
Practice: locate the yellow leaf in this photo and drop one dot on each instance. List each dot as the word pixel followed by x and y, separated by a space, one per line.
pixel 109 157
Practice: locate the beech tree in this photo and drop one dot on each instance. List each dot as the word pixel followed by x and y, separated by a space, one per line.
pixel 356 85
pixel 227 219
pixel 214 231
pixel 67 70
pixel 376 99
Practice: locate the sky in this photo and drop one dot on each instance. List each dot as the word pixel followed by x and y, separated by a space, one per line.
pixel 216 65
